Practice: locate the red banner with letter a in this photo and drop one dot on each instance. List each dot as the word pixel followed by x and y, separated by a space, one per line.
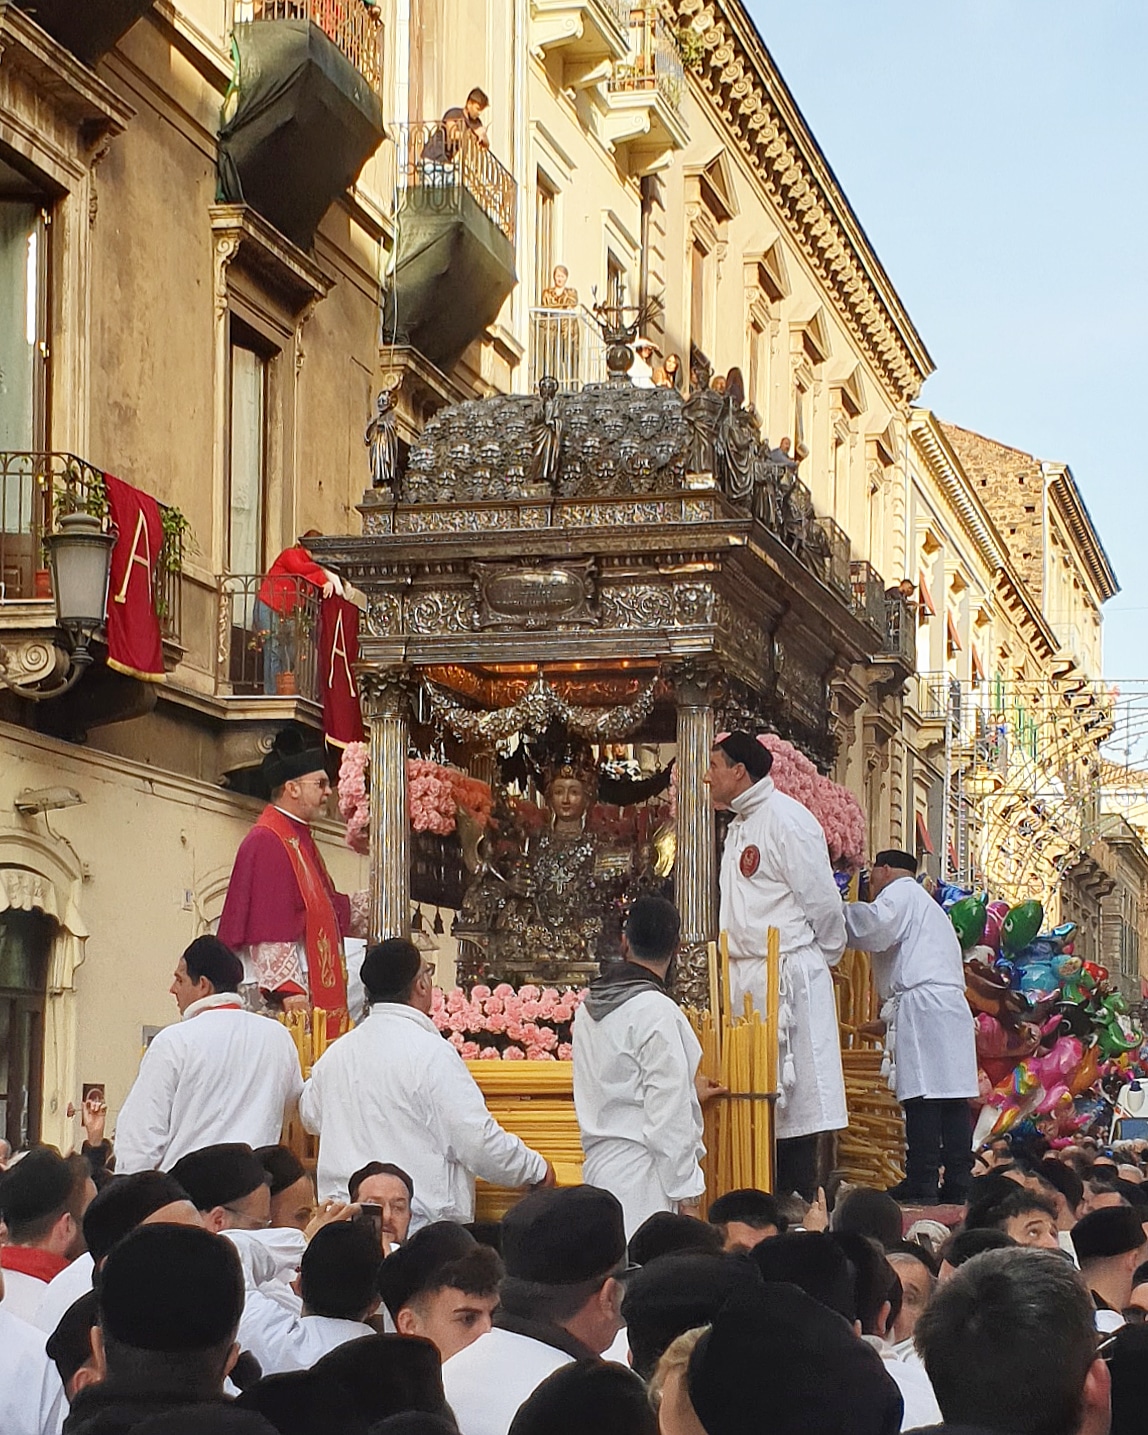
pixel 135 646
pixel 338 654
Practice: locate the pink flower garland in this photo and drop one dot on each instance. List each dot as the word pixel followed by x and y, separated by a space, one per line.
pixel 531 1024
pixel 834 806
pixel 434 792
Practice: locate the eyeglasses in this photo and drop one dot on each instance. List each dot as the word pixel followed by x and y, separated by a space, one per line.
pixel 323 783
pixel 249 1222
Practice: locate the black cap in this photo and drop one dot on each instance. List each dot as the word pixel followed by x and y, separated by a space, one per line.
pixel 70 1344
pixel 218 1175
pixel 125 1203
pixel 869 1213
pixel 300 1402
pixel 895 857
pixel 387 1374
pixel 283 1167
pixel 780 1361
pixel 754 756
pixel 411 1268
pixel 587 1395
pixel 209 1418
pixel 339 1270
pixel 389 968
pixel 1111 1231
pixel 675 1293
pixel 38 1184
pixel 561 1237
pixel 665 1231
pixel 171 1288
pixel 813 1261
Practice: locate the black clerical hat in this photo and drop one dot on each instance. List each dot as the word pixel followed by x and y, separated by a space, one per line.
pixel 38 1184
pixel 411 1268
pixel 779 1360
pixel 339 1269
pixel 561 1237
pixel 301 1402
pixel 665 1232
pixel 125 1203
pixel 1111 1231
pixel 675 1293
pixel 70 1344
pixel 742 747
pixel 387 1374
pixel 289 758
pixel 587 1395
pixel 173 1288
pixel 218 1175
pixel 283 1167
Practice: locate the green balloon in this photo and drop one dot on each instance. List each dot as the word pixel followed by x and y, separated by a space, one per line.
pixel 1021 926
pixel 968 917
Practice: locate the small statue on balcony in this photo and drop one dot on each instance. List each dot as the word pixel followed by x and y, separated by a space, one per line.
pixel 737 441
pixel 702 412
pixel 382 441
pixel 546 438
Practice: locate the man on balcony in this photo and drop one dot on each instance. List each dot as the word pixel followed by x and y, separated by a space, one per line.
pixel 282 913
pixel 456 124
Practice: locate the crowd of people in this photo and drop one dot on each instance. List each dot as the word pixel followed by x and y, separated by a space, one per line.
pixel 221 1294
pixel 193 1275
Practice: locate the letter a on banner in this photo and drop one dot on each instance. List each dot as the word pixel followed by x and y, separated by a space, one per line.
pixel 338 654
pixel 135 645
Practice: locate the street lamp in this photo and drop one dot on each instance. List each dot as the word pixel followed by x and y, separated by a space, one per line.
pixel 80 557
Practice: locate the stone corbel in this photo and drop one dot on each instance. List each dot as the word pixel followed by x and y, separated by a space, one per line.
pixel 26 662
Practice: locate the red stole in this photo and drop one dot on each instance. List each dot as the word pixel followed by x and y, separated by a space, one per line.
pixel 322 940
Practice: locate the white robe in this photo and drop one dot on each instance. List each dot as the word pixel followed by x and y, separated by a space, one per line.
pixel 220 1074
pixel 637 1106
pixel 775 872
pixel 62 1292
pixel 488 1380
pixel 23 1294
pixel 920 978
pixel 394 1090
pixel 920 1401
pixel 32 1400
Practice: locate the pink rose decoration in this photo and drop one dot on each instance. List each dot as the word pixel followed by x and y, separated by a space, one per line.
pixel 479 993
pixel 488 1053
pixel 504 990
pixel 470 1051
pixel 565 1051
pixel 514 1053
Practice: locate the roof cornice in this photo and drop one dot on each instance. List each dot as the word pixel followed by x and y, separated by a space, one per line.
pixel 743 84
pixel 1078 520
pixel 945 467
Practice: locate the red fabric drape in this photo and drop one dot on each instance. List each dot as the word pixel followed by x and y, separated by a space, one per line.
pixel 135 645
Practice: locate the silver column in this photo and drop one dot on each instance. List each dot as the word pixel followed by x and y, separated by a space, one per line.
pixel 387 696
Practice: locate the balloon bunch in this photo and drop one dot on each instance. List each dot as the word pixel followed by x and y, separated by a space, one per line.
pixel 1048 1025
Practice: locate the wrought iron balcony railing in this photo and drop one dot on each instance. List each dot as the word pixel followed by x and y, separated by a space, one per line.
pixel 267 637
pixel 868 589
pixel 439 158
pixel 35 488
pixel 901 632
pixel 567 345
pixel 655 61
pixel 353 25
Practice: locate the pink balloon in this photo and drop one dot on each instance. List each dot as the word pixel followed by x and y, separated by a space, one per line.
pixel 994 920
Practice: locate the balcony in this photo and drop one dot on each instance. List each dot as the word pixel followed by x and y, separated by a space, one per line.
pixel 303 113
pixel 868 590
pixel 267 637
pixel 645 96
pixel 88 29
pixel 34 488
pixel 589 36
pixel 567 345
pixel 454 256
pixel 900 633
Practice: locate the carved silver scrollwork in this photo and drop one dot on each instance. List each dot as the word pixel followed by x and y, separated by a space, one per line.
pixel 637 605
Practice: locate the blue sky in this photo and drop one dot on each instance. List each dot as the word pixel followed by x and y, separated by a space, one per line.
pixel 995 152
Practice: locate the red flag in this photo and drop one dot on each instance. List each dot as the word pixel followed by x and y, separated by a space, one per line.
pixel 338 654
pixel 135 646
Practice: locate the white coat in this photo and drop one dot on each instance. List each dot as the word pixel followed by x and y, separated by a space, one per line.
pixel 62 1292
pixel 488 1380
pixel 394 1090
pixel 637 1105
pixel 32 1400
pixel 919 973
pixel 220 1074
pixel 775 872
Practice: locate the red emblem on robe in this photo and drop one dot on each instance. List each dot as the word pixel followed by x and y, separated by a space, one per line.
pixel 750 861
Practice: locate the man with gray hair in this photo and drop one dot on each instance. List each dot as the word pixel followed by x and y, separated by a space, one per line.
pixel 1009 1343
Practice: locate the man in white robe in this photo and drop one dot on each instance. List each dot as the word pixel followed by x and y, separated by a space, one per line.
pixel 32 1400
pixel 775 872
pixel 220 1074
pixel 337 1287
pixel 561 1301
pixel 928 1027
pixel 635 1064
pixel 395 1089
